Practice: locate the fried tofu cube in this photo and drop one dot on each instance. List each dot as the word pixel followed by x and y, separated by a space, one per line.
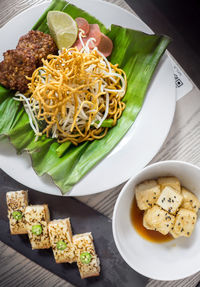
pixel 171 181
pixel 170 200
pixel 157 219
pixel 147 194
pixel 60 233
pixel 173 233
pixel 17 201
pixel 87 260
pixel 37 218
pixel 190 201
pixel 184 223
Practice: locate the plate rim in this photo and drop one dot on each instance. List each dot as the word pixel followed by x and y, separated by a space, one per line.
pixel 73 192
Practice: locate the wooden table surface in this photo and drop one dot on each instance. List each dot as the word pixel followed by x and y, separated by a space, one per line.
pixel 15 269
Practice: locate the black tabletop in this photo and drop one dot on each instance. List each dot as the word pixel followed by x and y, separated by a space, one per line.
pixel 180 20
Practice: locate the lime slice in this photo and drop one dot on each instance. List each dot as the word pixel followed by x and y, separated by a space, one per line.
pixel 63 28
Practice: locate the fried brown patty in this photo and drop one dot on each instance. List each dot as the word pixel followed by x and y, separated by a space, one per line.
pixel 21 62
pixel 39 43
pixel 14 69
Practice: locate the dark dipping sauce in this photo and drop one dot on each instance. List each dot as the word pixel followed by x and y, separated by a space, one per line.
pixel 137 221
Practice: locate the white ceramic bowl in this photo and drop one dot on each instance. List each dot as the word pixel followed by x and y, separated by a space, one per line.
pixel 171 260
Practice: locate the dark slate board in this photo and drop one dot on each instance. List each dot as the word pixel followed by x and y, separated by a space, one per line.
pixel 114 271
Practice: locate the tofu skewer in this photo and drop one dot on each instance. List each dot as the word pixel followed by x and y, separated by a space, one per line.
pixel 17 201
pixel 87 260
pixel 37 218
pixel 60 233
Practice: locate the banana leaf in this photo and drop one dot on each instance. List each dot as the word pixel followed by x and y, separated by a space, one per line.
pixel 137 54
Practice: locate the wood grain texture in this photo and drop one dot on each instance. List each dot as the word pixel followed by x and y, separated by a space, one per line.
pixel 17 270
pixel 10 8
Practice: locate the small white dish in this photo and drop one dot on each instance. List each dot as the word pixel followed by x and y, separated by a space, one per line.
pixel 172 260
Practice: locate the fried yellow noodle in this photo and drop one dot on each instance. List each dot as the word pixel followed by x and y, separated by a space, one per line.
pixel 74 93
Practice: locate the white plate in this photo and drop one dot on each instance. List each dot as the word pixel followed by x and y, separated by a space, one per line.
pixel 138 146
pixel 171 260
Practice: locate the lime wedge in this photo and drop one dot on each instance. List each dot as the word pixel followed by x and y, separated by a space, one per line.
pixel 63 28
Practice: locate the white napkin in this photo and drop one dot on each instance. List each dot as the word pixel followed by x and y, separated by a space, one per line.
pixel 183 83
